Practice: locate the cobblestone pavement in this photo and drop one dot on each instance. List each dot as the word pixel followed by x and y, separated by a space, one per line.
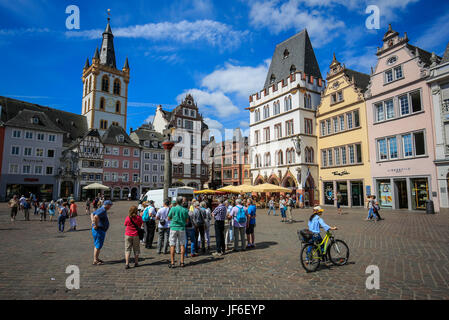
pixel 411 250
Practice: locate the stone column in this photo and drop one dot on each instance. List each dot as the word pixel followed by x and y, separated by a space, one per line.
pixel 168 146
pixel 349 188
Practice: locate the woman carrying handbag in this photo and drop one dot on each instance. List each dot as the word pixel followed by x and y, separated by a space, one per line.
pixel 133 235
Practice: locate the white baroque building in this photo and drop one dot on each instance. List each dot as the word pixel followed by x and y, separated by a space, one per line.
pixel 283 142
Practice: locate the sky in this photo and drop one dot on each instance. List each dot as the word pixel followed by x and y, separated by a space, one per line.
pixel 219 51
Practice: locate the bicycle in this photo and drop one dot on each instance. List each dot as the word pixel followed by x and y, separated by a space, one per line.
pixel 330 249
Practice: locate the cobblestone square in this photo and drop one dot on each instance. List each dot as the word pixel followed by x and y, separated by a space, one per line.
pixel 411 250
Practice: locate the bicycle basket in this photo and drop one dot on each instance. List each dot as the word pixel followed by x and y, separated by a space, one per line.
pixel 305 235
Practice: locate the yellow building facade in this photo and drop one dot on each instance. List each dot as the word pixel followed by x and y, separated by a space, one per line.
pixel 343 150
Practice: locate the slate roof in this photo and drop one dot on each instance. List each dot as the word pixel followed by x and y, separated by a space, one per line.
pixel 107 54
pixel 423 54
pixel 446 55
pixel 147 133
pixel 25 119
pixel 91 132
pixel 110 137
pixel 74 125
pixel 361 79
pixel 301 55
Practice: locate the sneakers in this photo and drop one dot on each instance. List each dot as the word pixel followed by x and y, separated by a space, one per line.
pixel 217 254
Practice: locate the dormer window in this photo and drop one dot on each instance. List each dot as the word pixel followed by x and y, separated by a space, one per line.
pixel 120 138
pixel 292 69
pixel 286 53
pixel 272 78
pixel 35 120
pixel 146 143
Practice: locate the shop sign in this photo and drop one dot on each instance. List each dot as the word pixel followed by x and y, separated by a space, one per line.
pixel 398 170
pixel 31 180
pixel 343 173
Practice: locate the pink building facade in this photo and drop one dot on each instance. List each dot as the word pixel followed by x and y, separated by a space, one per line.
pixel 121 170
pixel 401 126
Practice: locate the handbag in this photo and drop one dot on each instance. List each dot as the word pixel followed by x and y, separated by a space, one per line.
pixel 140 231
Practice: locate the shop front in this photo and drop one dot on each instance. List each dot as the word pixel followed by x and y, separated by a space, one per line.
pixel 351 192
pixel 410 193
pixel 44 187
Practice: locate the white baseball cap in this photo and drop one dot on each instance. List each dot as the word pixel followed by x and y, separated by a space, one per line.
pixel 318 209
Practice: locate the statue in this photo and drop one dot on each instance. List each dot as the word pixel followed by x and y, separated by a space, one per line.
pixel 297 143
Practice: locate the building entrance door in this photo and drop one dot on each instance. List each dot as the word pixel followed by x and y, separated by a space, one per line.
pixel 357 193
pixel 401 186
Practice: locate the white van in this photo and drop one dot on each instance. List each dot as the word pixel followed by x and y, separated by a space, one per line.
pixel 158 195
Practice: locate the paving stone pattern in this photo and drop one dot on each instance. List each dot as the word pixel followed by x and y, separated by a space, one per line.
pixel 411 250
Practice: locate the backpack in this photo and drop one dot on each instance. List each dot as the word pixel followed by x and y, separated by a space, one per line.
pixel 199 217
pixel 241 216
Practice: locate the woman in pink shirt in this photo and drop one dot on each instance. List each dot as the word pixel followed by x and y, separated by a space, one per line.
pixel 133 222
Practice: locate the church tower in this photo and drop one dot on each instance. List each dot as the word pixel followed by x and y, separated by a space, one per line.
pixel 105 90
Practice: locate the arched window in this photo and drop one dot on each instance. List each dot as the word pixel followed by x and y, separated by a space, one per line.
pixel 88 104
pixel 102 103
pixel 272 78
pixel 117 107
pixel 279 158
pixel 105 84
pixel 90 84
pixel 285 104
pixel 86 85
pixel 267 159
pixel 85 106
pixel 117 86
pixel 289 102
pixel 257 115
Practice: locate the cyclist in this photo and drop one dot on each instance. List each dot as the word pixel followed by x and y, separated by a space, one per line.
pixel 316 222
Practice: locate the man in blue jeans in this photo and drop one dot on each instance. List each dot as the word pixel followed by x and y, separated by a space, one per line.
pixel 100 226
pixel 190 234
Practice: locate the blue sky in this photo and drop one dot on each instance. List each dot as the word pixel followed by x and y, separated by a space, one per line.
pixel 217 50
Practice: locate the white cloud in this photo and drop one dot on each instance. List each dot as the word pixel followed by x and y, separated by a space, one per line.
pixel 244 124
pixel 213 124
pixel 360 59
pixel 215 103
pixel 215 33
pixel 149 119
pixel 278 17
pixel 242 80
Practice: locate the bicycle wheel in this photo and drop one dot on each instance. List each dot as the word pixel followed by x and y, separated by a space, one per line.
pixel 338 253
pixel 310 257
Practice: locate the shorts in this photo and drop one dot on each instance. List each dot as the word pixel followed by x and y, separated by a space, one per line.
pixel 250 229
pixel 132 243
pixel 98 236
pixel 338 205
pixel 177 235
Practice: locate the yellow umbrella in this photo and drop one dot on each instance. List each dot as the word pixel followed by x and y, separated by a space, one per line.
pixel 205 191
pixel 245 188
pixel 268 187
pixel 230 189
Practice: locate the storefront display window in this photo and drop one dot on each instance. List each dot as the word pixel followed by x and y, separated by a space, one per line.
pixel 385 197
pixel 420 193
pixel 342 188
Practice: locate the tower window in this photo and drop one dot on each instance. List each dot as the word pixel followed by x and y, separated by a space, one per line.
pixel 292 69
pixel 103 124
pixel 102 103
pixel 117 86
pixel 286 53
pixel 117 107
pixel 105 84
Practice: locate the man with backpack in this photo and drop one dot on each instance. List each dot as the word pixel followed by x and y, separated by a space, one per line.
pixel 240 217
pixel 199 220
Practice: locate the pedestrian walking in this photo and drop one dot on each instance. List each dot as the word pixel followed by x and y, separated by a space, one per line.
pixel 178 217
pixel 22 201
pixel 271 206
pixel 229 237
pixel 163 227
pixel 239 215
pixel 283 208
pixel 220 216
pixel 149 216
pixel 51 210
pixel 133 223
pixel 339 198
pixel 301 201
pixel 73 214
pixel 43 210
pixel 190 234
pixel 14 205
pixel 376 209
pixel 63 214
pixel 251 208
pixel 99 229
pixel 95 203
pixel 36 206
pixel 290 205
pixel 26 209
pixel 87 207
